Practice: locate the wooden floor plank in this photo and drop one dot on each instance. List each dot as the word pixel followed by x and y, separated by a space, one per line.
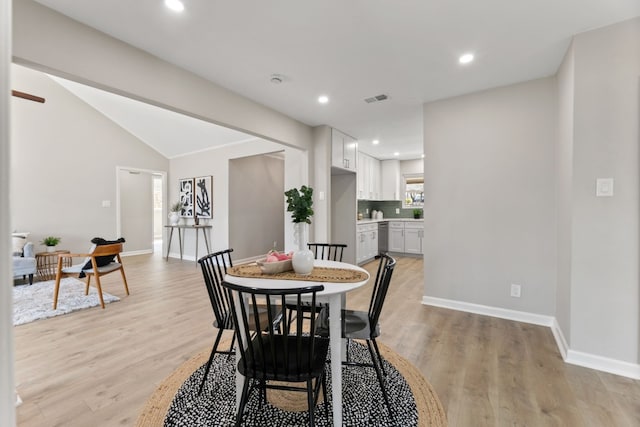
pixel 97 367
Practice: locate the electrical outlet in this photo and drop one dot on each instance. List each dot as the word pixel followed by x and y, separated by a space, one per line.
pixel 515 290
pixel 397 211
pixel 275 244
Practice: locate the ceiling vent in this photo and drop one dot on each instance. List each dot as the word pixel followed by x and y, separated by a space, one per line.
pixel 376 98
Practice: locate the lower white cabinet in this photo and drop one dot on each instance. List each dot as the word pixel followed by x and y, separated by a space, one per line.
pixel 396 236
pixel 366 242
pixel 406 237
pixel 413 235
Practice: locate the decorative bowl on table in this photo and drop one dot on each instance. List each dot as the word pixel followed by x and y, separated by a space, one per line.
pixel 274 267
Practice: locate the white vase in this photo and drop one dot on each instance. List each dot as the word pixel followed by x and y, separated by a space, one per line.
pixel 302 260
pixel 174 218
pixel 51 249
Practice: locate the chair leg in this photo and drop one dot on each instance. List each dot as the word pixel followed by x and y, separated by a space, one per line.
pixel 375 344
pixel 310 401
pixel 243 401
pixel 31 279
pixel 99 289
pixel 87 283
pixel 55 291
pixel 380 378
pixel 213 352
pixel 124 279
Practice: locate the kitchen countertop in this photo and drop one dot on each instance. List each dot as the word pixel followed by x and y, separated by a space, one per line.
pixel 373 221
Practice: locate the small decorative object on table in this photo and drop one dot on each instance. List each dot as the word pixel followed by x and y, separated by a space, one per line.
pixel 299 203
pixel 417 213
pixel 275 262
pixel 174 213
pixel 51 242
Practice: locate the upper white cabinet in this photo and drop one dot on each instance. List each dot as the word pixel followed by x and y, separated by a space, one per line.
pixel 391 180
pixel 369 179
pixel 343 150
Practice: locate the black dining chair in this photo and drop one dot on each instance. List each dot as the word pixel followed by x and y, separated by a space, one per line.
pixel 276 355
pixel 214 268
pixel 364 325
pixel 324 251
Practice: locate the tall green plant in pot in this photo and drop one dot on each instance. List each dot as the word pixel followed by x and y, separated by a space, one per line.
pixel 300 204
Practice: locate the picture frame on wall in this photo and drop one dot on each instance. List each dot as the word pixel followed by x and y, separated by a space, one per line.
pixel 203 196
pixel 186 197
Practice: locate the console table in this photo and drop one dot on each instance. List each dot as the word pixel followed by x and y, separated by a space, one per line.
pixel 204 229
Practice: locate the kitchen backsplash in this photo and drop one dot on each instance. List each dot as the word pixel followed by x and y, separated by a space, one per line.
pixel 387 207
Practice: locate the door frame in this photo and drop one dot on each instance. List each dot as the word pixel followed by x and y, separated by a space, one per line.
pixel 165 196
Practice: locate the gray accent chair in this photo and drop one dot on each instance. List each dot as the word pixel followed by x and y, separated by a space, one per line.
pixel 25 265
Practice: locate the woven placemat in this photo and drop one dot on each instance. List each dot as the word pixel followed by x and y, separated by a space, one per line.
pixel 318 274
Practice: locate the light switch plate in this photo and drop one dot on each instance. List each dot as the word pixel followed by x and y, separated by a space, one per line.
pixel 397 211
pixel 604 187
pixel 106 203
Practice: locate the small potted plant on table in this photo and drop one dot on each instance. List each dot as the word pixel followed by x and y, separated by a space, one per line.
pixel 51 242
pixel 174 213
pixel 417 213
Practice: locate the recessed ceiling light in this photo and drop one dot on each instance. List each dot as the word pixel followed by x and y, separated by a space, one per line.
pixel 375 142
pixel 396 154
pixel 175 5
pixel 323 99
pixel 423 156
pixel 466 58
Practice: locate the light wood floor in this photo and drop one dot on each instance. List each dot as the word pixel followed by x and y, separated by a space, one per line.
pixel 97 367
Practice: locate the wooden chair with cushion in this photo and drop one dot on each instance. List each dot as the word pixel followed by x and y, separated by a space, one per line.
pixel 101 260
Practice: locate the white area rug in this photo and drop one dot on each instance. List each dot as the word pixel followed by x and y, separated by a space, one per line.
pixel 33 302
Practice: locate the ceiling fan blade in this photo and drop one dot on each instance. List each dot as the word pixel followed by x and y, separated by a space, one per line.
pixel 27 96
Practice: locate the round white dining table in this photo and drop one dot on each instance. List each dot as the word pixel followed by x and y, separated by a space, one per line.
pixel 333 293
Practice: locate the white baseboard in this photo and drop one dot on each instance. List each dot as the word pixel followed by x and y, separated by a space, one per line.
pixel 503 313
pixel 592 361
pixel 605 364
pixel 141 252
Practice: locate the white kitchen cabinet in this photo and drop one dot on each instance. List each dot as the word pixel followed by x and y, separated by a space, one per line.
pixel 390 177
pixel 369 180
pixel 366 242
pixel 396 236
pixel 413 236
pixel 343 150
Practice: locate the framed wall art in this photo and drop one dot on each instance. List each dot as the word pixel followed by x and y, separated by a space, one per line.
pixel 203 192
pixel 186 197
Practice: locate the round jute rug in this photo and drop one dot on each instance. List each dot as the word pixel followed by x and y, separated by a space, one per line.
pixel 177 396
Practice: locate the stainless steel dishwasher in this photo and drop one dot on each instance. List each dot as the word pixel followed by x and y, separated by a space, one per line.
pixel 383 237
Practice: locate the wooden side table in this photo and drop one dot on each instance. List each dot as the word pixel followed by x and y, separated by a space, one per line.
pixel 47 263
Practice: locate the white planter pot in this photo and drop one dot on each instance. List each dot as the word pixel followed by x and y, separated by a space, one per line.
pixel 174 218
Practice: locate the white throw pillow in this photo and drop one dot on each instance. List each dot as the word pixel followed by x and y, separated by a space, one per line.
pixel 19 240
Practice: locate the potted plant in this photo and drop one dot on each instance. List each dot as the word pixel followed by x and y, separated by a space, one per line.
pixel 50 242
pixel 417 213
pixel 174 212
pixel 300 204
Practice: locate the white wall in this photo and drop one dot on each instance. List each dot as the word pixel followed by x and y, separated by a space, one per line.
pixel 604 254
pixel 256 197
pixel 414 166
pixel 564 172
pixel 216 163
pixel 7 396
pixel 63 164
pixel 490 184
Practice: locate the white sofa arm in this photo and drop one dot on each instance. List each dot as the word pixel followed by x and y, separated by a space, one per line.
pixel 28 251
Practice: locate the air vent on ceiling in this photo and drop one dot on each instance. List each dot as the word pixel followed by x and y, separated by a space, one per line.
pixel 376 98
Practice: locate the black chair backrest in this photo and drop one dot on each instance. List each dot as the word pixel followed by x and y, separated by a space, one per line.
pixel 327 251
pixel 214 268
pixel 380 287
pixel 273 354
